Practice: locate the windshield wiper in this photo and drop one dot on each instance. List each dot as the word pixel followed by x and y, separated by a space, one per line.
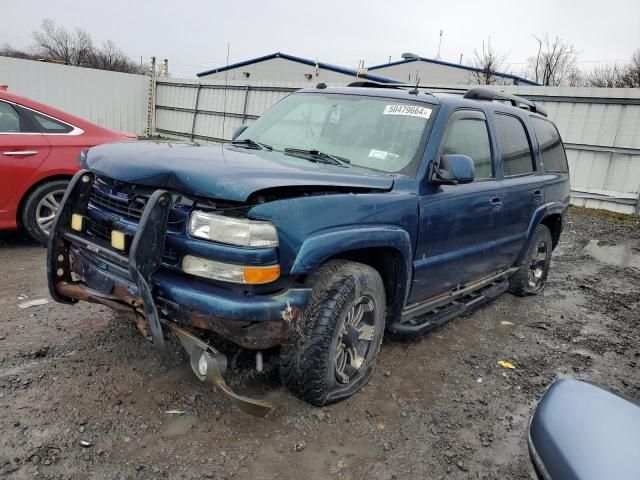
pixel 252 143
pixel 317 155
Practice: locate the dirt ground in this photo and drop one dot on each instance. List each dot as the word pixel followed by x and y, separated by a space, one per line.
pixel 440 407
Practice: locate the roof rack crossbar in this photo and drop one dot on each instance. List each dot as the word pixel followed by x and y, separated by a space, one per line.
pixel 480 93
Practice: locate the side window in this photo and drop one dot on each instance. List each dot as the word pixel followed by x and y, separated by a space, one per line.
pixel 553 156
pixel 469 136
pixel 49 125
pixel 514 145
pixel 9 119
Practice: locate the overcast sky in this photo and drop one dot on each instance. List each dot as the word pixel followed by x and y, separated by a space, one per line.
pixel 193 34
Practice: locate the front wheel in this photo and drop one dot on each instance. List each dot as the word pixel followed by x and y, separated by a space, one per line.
pixel 40 208
pixel 531 276
pixel 342 330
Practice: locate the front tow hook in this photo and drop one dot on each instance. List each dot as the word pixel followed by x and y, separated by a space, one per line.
pixel 208 364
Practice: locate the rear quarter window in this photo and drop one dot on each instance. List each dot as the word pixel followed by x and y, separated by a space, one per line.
pixel 552 151
pixel 515 147
pixel 48 124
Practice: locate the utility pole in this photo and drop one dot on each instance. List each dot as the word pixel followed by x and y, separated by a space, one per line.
pixel 439 45
pixel 151 105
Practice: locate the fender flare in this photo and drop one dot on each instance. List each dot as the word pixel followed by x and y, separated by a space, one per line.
pixel 325 244
pixel 540 214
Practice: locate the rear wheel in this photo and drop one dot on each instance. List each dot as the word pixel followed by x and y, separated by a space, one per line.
pixel 40 208
pixel 531 276
pixel 341 335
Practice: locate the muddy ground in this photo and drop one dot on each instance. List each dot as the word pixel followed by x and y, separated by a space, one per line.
pixel 440 407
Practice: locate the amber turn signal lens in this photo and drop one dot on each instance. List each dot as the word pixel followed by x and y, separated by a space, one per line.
pixel 256 275
pixel 77 222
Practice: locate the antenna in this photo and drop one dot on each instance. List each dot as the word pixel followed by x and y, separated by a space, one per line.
pixel 415 91
pixel 439 45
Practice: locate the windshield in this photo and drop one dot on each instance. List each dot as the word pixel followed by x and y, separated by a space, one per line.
pixel 382 134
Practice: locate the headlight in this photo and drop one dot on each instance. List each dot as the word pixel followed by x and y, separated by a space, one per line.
pixel 233 231
pixel 228 272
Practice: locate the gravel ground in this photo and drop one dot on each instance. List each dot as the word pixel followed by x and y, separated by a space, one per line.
pixel 440 407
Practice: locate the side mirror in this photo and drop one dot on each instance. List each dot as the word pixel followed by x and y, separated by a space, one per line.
pixel 583 432
pixel 239 131
pixel 452 170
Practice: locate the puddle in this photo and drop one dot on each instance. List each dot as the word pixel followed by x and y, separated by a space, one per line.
pixel 617 255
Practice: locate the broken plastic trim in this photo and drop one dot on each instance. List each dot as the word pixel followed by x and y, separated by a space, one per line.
pixel 216 365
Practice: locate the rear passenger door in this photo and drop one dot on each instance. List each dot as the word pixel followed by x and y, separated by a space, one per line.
pixel 522 187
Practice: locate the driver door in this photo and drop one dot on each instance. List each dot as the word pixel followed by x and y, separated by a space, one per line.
pixel 459 224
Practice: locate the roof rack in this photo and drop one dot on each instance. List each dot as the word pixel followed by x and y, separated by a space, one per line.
pixel 370 84
pixel 480 93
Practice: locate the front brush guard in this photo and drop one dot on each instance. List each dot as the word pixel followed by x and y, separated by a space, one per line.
pixel 145 258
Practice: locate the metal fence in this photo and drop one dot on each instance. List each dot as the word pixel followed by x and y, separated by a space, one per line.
pixel 211 111
pixel 600 128
pixel 110 99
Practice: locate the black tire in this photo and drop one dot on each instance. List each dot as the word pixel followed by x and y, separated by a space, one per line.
pixel 29 213
pixel 308 365
pixel 531 276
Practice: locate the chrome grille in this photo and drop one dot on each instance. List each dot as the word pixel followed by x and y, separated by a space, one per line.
pixel 124 204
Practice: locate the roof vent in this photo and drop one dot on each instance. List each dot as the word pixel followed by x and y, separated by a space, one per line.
pixel 408 56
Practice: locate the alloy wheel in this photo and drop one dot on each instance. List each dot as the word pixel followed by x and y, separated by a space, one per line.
pixel 46 210
pixel 537 265
pixel 355 340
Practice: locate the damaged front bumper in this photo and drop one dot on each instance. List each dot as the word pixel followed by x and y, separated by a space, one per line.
pixel 79 268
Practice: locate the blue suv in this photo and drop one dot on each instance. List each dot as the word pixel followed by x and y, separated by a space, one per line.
pixel 339 214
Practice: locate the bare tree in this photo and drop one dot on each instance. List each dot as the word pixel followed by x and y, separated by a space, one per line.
pixel 110 57
pixel 615 75
pixel 7 50
pixel 631 77
pixel 54 43
pixel 606 76
pixel 487 62
pixel 555 62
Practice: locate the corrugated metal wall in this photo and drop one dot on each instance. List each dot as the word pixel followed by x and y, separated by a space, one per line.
pixel 111 99
pixel 600 128
pixel 221 108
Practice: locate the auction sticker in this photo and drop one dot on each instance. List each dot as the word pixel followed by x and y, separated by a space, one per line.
pixel 410 110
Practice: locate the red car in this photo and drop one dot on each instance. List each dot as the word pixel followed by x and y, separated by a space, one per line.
pixel 38 150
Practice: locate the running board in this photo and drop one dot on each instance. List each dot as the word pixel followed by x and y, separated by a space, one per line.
pixel 422 318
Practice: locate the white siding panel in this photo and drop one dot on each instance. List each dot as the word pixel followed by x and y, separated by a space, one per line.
pixel 110 99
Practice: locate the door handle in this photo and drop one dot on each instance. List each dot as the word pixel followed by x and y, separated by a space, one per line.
pixel 496 203
pixel 20 153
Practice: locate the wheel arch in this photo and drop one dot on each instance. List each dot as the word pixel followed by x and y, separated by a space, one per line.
pixel 37 184
pixel 385 249
pixel 553 221
pixel 550 215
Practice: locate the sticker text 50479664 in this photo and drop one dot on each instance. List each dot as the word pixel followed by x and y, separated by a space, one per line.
pixel 411 110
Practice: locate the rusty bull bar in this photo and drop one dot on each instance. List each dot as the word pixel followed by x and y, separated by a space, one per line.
pixel 145 257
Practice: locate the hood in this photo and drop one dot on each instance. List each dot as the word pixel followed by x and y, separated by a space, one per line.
pixel 221 171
